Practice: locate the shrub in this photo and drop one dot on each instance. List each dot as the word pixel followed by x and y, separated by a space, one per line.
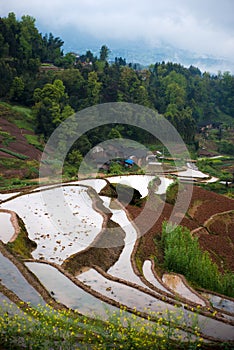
pixel 172 192
pixel 116 169
pixel 182 254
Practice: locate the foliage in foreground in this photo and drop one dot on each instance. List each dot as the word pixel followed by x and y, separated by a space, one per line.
pixel 44 328
pixel 182 254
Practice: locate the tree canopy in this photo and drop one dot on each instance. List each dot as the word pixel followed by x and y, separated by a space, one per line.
pixel 35 72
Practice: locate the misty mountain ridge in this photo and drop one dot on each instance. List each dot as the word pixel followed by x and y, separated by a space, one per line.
pixel 138 51
pixel 146 55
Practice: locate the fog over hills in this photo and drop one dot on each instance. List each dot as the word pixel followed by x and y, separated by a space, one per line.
pixel 151 55
pixel 144 53
pixel 199 33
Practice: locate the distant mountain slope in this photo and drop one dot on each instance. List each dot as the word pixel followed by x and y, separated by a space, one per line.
pixel 145 54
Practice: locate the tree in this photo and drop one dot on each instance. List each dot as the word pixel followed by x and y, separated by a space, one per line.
pixel 4 47
pixel 51 48
pixel 67 61
pixel 175 95
pixel 82 144
pixel 75 85
pixel 29 39
pixel 74 159
pixel 110 82
pixel 182 120
pixel 120 61
pixel 131 88
pixel 11 30
pixel 17 88
pixel 93 89
pixel 7 74
pixel 114 134
pixel 104 53
pixel 51 106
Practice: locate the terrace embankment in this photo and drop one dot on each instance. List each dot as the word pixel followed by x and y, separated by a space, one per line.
pixel 216 237
pixel 30 278
pixel 19 244
pixel 104 252
pixel 106 248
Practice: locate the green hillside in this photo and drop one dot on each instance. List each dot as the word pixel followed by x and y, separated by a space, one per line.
pixel 20 148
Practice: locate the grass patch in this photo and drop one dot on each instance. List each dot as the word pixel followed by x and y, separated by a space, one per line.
pixel 22 117
pixel 22 124
pixel 12 163
pixel 6 137
pixel 15 184
pixel 15 154
pixel 182 254
pixel 194 207
pixel 27 169
pixel 22 245
pixel 34 141
pixel 213 167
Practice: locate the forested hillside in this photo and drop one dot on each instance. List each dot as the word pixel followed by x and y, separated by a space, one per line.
pixel 36 73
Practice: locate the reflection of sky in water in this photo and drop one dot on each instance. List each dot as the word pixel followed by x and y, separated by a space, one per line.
pixel 8 306
pixel 15 281
pixel 141 182
pixel 6 227
pixel 122 293
pixel 4 298
pixel 61 221
pixel 31 209
pixel 149 276
pixel 96 184
pixel 4 196
pixel 67 292
pixel 123 267
pixel 177 285
pixel 220 303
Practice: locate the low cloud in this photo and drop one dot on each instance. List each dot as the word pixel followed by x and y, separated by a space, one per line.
pixel 204 27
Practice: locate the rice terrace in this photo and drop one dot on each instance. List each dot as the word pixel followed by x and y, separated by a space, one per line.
pixel 116 177
pixel 78 278
pixel 113 256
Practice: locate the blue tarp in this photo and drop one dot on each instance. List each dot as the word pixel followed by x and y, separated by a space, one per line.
pixel 129 161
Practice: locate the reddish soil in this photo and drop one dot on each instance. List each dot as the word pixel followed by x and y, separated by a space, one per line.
pixel 17 143
pixel 203 205
pixel 212 203
pixel 20 144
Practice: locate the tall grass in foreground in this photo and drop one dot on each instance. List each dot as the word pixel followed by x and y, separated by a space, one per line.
pixel 44 328
pixel 182 254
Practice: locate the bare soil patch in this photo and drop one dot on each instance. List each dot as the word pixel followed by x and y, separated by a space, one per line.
pixel 219 244
pixel 20 144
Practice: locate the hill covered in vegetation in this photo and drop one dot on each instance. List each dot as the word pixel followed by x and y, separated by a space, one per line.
pixel 36 73
pixel 20 148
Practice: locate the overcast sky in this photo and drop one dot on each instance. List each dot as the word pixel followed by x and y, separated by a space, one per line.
pixel 201 26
